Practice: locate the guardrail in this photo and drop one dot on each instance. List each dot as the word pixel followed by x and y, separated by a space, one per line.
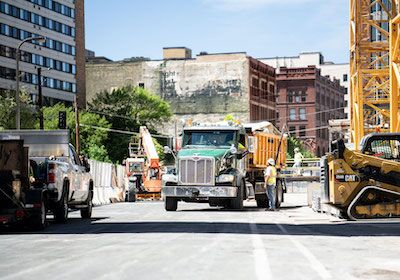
pixel 310 169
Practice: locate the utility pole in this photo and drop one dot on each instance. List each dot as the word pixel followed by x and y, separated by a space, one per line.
pixel 77 134
pixel 40 101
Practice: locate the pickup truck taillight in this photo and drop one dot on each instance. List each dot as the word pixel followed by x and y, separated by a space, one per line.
pixel 51 176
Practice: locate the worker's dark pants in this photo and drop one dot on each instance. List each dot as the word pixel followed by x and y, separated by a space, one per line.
pixel 271 193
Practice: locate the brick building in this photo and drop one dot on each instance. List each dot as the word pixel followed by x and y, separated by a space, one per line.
pixel 262 91
pixel 205 88
pixel 306 102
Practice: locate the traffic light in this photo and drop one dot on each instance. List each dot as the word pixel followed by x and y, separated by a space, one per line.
pixel 62 120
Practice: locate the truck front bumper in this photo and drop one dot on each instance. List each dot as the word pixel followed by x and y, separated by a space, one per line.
pixel 200 191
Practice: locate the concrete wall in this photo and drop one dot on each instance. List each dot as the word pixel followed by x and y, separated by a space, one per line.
pixel 212 85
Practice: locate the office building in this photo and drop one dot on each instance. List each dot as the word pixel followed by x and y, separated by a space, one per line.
pixel 61 57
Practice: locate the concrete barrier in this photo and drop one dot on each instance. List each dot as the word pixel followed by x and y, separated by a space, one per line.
pixel 108 180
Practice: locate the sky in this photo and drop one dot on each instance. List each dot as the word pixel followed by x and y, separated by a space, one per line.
pixel 121 29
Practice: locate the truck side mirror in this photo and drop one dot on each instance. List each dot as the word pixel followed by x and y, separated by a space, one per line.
pixel 233 150
pixel 85 163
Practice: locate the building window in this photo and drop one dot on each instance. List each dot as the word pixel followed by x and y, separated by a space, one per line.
pixel 255 82
pixel 290 96
pixel 345 78
pixel 38 20
pixel 292 130
pixel 292 114
pixel 303 96
pixel 50 43
pixel 302 114
pixel 302 131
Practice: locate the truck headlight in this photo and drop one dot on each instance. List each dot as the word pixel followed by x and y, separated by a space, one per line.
pixel 225 178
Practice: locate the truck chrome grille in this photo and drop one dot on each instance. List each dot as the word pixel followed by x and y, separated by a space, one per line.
pixel 196 171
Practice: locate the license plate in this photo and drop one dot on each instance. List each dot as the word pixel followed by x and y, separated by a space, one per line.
pixel 4 219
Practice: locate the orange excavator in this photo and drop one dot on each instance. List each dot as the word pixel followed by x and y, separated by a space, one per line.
pixel 144 165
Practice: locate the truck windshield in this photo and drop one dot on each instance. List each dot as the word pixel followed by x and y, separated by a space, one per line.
pixel 135 167
pixel 208 138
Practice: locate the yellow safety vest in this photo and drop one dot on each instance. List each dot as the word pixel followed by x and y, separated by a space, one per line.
pixel 272 176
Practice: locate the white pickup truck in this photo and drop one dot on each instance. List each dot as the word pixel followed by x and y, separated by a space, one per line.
pixel 56 169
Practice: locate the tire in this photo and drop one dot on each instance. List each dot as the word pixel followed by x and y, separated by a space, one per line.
pixel 130 196
pixel 237 203
pixel 86 213
pixel 61 208
pixel 262 201
pixel 171 204
pixel 279 194
pixel 38 220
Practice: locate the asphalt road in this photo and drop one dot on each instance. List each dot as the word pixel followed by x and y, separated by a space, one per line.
pixel 142 241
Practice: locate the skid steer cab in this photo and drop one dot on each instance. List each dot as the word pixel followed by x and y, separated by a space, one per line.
pixel 364 184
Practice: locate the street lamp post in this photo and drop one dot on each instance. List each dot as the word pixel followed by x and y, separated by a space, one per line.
pixel 18 76
pixel 40 95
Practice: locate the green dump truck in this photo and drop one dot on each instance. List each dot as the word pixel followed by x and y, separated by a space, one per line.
pixel 223 163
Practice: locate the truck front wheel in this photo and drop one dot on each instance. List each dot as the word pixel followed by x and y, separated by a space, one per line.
pixel 237 202
pixel 171 204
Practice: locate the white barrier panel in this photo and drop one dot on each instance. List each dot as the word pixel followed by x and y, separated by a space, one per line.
pixel 96 200
pixel 108 181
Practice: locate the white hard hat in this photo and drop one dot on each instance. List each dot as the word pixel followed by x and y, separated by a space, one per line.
pixel 296 150
pixel 271 161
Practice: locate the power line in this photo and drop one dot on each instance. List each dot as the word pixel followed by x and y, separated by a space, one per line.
pixel 309 129
pixel 274 119
pixel 313 113
pixel 122 131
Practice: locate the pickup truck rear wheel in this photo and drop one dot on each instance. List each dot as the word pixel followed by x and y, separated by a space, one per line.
pixel 38 220
pixel 61 208
pixel 171 204
pixel 237 202
pixel 86 213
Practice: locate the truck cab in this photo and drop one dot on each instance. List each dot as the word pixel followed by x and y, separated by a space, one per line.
pixel 210 167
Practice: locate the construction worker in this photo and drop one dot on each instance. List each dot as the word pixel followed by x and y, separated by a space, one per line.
pixel 270 183
pixel 298 159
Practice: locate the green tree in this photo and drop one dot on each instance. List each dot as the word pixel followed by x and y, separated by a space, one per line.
pixel 127 109
pixel 8 110
pixel 93 130
pixel 159 149
pixel 293 143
